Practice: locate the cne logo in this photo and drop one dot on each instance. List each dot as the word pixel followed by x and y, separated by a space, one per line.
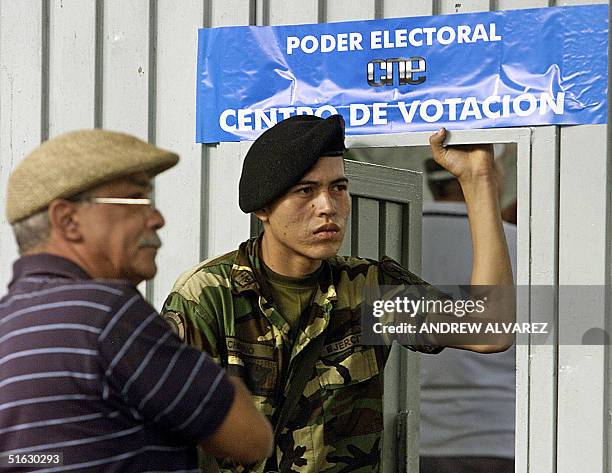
pixel 396 71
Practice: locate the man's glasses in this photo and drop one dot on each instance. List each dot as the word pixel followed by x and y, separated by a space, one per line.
pixel 118 200
pixel 143 203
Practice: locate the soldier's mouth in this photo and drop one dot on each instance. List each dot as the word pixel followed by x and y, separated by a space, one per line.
pixel 327 231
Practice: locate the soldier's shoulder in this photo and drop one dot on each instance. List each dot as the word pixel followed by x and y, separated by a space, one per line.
pixel 213 272
pixel 391 269
pixel 395 272
pixel 352 263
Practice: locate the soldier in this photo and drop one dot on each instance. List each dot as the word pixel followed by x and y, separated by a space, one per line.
pixel 283 311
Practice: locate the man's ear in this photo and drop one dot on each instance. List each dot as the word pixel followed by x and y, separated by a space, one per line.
pixel 64 220
pixel 262 214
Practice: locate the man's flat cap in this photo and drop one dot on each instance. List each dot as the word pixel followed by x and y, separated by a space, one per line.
pixel 282 154
pixel 74 162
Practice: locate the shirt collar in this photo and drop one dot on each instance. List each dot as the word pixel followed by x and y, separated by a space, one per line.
pixel 46 264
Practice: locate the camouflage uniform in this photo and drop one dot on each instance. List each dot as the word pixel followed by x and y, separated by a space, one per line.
pixel 223 307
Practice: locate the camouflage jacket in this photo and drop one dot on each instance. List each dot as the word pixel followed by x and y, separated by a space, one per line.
pixel 223 307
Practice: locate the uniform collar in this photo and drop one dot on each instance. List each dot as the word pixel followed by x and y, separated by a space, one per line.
pixel 247 262
pixel 248 274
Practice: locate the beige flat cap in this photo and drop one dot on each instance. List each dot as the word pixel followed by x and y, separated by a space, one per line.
pixel 74 162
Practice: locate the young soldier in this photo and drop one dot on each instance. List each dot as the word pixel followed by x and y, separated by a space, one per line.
pixel 283 310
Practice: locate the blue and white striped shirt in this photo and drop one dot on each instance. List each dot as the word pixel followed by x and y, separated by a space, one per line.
pixel 89 369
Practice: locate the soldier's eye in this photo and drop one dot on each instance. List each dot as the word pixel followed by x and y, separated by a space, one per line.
pixel 304 190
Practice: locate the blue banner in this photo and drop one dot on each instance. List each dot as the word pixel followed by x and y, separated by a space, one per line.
pixel 494 69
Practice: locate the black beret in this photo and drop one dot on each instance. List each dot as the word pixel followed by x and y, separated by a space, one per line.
pixel 282 154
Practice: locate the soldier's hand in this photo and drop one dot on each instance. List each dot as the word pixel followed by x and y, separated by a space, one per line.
pixel 466 162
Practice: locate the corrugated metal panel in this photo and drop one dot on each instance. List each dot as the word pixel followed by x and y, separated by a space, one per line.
pixel 517 4
pixel 537 365
pixel 395 8
pixel 346 10
pixel 177 192
pixel 21 104
pixel 131 66
pixel 72 73
pixel 281 12
pixel 583 377
pixel 226 225
pixel 125 67
pixel 563 3
pixel 447 7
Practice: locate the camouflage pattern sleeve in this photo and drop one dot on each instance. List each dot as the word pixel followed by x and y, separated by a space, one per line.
pixel 393 274
pixel 192 324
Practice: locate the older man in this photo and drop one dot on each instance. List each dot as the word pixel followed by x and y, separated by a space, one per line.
pixel 91 377
pixel 283 311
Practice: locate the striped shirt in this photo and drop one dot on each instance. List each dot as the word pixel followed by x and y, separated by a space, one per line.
pixel 89 369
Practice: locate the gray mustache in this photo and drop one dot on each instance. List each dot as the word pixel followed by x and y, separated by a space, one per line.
pixel 152 241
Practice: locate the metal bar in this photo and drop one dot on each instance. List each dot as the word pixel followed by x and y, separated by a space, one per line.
pixel 44 79
pixel 455 137
pixel 99 65
pixel 354 228
pixel 382 229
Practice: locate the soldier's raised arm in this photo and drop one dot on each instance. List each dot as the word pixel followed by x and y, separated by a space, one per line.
pixel 473 166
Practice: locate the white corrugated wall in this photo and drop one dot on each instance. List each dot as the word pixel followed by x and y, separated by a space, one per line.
pixel 130 66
